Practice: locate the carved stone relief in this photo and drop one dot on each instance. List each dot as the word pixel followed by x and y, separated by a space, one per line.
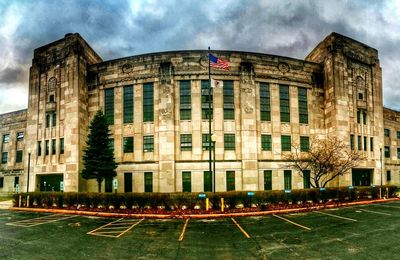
pixel 283 67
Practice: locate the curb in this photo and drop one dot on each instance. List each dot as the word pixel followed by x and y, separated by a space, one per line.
pixel 199 216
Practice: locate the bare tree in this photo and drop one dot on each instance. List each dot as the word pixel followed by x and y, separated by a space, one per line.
pixel 325 159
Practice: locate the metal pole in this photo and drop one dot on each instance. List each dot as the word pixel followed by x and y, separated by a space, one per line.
pixel 29 167
pixel 209 112
pixel 214 164
pixel 380 189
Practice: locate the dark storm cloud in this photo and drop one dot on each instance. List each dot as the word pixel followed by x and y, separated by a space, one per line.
pixel 124 28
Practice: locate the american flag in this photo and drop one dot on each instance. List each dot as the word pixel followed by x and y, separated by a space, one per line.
pixel 218 63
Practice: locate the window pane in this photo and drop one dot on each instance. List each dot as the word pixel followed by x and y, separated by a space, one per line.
pixel 229 142
pixel 306 179
pixel 352 142
pixel 109 105
pixel 229 103
pixel 387 152
pixel 186 142
pixel 205 98
pixel 205 141
pixel 39 148
pixel 303 105
pixel 268 180
pixel 185 100
pixel 359 143
pixel 128 144
pixel 47 147
pixel 365 143
pixel 284 103
pixel 371 144
pixel 53 146
pixel 4 157
pixel 186 182
pixel 19 156
pixel 62 146
pixel 266 143
pixel 54 119
pixel 286 143
pixel 288 179
pixel 207 181
pixel 128 104
pixel 128 182
pixel 148 143
pixel 148 102
pixel 265 102
pixel 230 180
pixel 20 136
pixel 148 182
pixel 304 143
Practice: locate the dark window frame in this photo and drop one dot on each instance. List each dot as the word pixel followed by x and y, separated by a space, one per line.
pixel 229 100
pixel 229 142
pixel 286 143
pixel 266 142
pixel 186 142
pixel 128 104
pixel 109 105
pixel 230 181
pixel 284 103
pixel 128 144
pixel 265 102
pixel 303 105
pixel 148 143
pixel 185 92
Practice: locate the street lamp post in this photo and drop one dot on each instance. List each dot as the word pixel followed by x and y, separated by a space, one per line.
pixel 213 139
pixel 29 167
pixel 380 189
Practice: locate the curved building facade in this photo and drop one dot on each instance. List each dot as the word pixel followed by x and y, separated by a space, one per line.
pixel 157 106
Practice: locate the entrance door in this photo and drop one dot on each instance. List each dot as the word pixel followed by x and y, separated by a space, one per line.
pixel 128 182
pixel 361 177
pixel 50 182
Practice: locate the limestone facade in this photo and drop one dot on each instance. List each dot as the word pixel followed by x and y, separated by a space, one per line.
pixel 336 90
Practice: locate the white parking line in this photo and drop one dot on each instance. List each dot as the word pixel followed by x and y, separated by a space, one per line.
pixel 40 220
pixel 376 212
pixel 335 216
pixel 291 222
pixel 115 229
pixel 388 206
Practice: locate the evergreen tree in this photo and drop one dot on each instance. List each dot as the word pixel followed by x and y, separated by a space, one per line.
pixel 98 160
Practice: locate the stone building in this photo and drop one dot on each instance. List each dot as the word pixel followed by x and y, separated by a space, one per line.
pixel 157 106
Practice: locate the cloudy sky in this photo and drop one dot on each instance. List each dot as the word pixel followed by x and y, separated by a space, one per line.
pixel 123 28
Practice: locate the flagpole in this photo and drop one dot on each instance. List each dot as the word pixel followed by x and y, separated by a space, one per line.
pixel 209 115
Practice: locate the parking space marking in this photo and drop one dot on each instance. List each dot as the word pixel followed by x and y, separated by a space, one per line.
pixel 40 220
pixel 376 212
pixel 115 229
pixel 240 228
pixel 335 216
pixel 183 230
pixel 291 222
pixel 388 206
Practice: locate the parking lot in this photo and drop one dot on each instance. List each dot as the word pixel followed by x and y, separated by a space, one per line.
pixel 361 232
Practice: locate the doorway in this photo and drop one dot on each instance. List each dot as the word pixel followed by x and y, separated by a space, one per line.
pixel 361 177
pixel 50 182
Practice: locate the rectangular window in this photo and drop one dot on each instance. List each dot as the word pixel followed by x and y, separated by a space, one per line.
pixel 205 140
pixel 186 142
pixel 229 142
pixel 128 182
pixel 371 144
pixel 287 179
pixel 4 157
pixel 18 158
pixel 1 182
pixel 230 180
pixel 229 100
pixel 358 116
pixel 306 179
pixel 128 144
pixel 266 143
pixel 148 102
pixel 268 180
pixel 109 105
pixel 286 143
pixel 148 143
pixel 284 103
pixel 207 181
pixel 185 100
pixel 20 136
pixel 352 142
pixel 61 145
pixel 148 182
pixel 364 117
pixel 303 106
pixel 128 104
pixel 47 147
pixel 39 148
pixel 359 144
pixel 16 181
pixel 265 102
pixel 304 143
pixel 388 176
pixel 365 143
pixel 47 120
pixel 398 153
pixel 386 132
pixel 54 119
pixel 186 182
pixel 53 146
pixel 398 134
pixel 6 138
pixel 111 144
pixel 387 152
pixel 205 98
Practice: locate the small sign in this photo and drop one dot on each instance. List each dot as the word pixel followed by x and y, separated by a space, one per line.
pixel 250 193
pixel 17 188
pixel 61 186
pixel 115 184
pixel 373 185
pixel 288 191
pixel 202 196
pixel 351 187
pixel 321 189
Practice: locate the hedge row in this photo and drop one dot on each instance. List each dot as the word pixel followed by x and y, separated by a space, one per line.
pixel 171 201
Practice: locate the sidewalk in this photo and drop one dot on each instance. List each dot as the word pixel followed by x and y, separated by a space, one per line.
pixel 198 216
pixel 6 204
